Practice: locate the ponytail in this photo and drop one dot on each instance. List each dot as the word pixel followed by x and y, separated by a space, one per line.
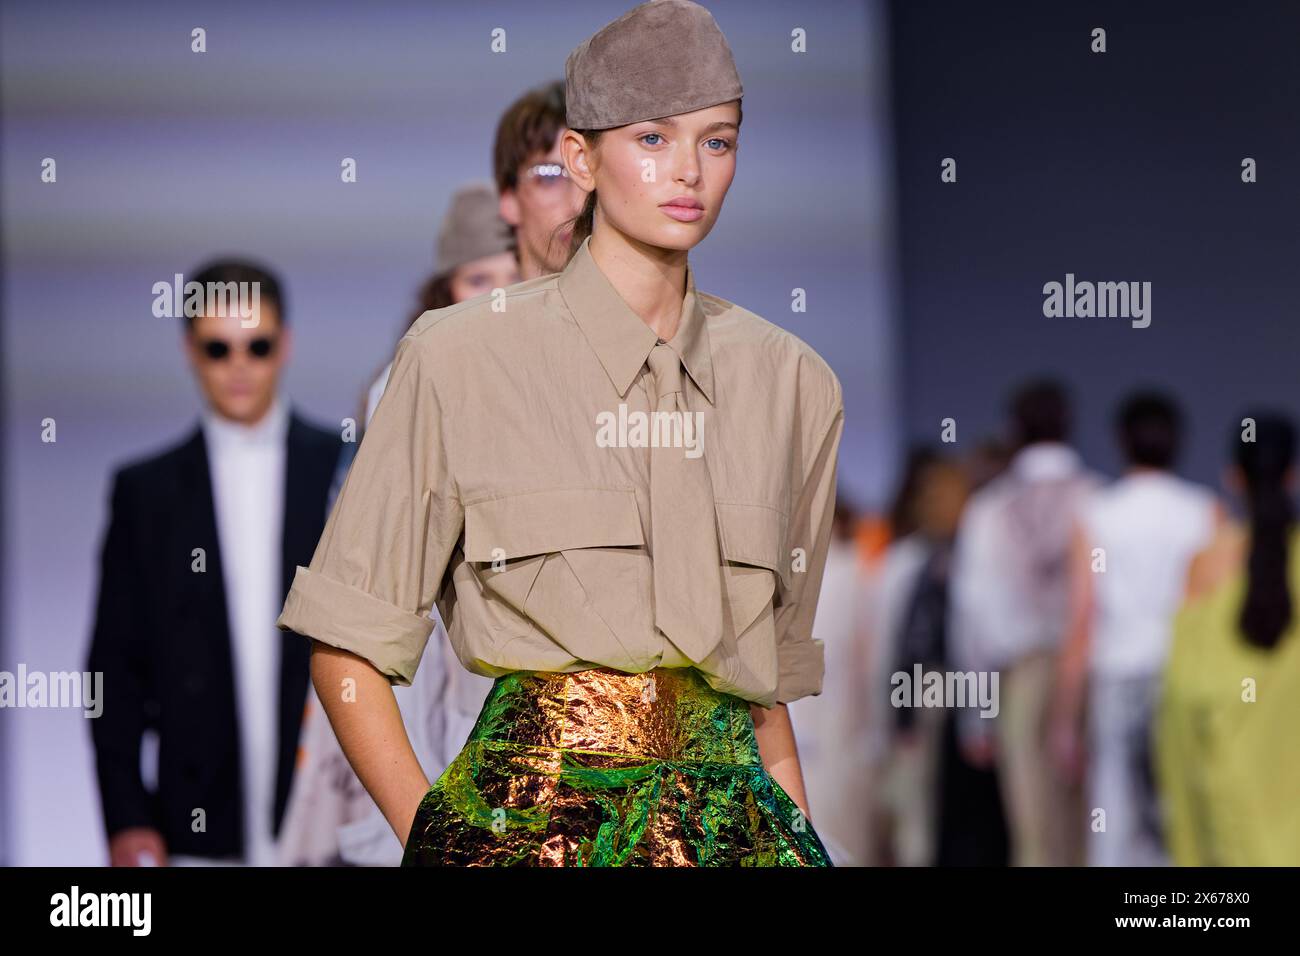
pixel 1268 608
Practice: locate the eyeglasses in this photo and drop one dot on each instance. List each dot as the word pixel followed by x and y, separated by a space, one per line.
pixel 546 174
pixel 219 349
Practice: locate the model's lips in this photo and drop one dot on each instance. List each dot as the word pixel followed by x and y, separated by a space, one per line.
pixel 683 209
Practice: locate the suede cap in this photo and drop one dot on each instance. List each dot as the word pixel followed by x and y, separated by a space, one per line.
pixel 472 228
pixel 661 58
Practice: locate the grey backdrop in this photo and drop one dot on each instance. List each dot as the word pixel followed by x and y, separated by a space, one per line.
pixel 1117 166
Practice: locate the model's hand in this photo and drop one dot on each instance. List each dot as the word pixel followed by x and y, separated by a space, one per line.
pixel 137 846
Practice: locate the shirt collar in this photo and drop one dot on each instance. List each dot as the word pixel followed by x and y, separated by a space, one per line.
pixel 621 339
pixel 270 429
pixel 1045 460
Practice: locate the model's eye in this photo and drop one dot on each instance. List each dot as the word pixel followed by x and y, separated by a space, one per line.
pixel 718 142
pixel 644 137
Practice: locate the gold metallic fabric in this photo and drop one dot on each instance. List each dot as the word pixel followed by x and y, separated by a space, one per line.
pixel 605 768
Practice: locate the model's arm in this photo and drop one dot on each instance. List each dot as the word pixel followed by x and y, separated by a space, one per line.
pixel 377 570
pixel 775 735
pixel 1072 675
pixel 359 702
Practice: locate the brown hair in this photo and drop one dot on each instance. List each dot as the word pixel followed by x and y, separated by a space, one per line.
pixel 529 126
pixel 582 222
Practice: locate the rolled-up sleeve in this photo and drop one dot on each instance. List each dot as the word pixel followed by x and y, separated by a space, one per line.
pixel 379 565
pixel 800 657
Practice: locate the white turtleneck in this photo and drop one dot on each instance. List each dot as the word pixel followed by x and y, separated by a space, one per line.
pixel 247 466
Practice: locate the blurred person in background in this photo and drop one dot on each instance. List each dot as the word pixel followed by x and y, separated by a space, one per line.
pixel 538 199
pixel 972 818
pixel 1145 527
pixel 199 554
pixel 901 834
pixel 1009 612
pixel 333 819
pixel 832 727
pixel 478 250
pixel 920 639
pixel 1228 756
pixel 945 812
pixel 475 254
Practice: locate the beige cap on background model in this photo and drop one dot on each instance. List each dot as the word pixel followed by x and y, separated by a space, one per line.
pixel 472 228
pixel 661 58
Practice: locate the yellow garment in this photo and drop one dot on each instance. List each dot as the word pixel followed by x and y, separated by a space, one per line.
pixel 1229 767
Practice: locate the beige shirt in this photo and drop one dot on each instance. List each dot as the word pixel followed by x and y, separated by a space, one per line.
pixel 505 476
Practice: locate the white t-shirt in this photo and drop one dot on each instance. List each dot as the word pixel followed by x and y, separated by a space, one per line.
pixel 1150 524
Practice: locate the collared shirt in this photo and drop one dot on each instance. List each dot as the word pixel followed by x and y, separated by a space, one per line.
pixel 506 478
pixel 247 463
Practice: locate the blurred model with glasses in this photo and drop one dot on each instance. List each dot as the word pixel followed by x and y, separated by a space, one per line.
pixel 200 549
pixel 494 234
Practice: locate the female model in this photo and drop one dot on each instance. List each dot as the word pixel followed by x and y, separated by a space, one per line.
pixel 619 492
pixel 1227 759
pixel 329 814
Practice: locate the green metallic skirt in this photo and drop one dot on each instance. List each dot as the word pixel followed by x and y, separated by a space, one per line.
pixel 604 768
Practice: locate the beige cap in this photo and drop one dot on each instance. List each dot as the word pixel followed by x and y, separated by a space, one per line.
pixel 473 227
pixel 661 58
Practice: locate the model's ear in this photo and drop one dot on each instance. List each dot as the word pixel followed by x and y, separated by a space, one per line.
pixel 578 159
pixel 508 205
pixel 285 351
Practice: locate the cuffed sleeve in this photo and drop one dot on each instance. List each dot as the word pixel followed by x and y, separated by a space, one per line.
pixel 800 658
pixel 379 565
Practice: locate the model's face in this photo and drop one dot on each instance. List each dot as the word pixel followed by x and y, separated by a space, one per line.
pixel 940 500
pixel 484 275
pixel 663 181
pixel 241 385
pixel 537 207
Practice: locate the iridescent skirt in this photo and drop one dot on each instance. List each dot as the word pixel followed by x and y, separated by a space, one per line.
pixel 605 768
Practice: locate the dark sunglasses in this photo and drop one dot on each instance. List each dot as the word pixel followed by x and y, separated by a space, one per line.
pixel 219 349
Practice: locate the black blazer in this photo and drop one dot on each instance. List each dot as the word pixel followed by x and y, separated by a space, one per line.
pixel 162 641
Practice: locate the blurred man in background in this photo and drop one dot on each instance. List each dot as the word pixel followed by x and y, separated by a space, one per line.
pixel 200 550
pixel 1010 591
pixel 1132 549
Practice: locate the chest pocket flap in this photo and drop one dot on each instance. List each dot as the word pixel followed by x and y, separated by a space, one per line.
pixel 572 565
pixel 538 522
pixel 752 540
